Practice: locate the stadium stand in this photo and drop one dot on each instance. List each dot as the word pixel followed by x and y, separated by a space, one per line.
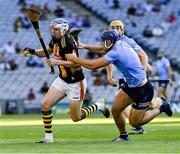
pixel 149 18
pixel 16 84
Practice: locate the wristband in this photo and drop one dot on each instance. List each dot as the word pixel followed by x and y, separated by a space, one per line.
pixel 32 51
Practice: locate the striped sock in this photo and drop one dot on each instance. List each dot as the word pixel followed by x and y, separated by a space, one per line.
pixel 86 111
pixel 47 119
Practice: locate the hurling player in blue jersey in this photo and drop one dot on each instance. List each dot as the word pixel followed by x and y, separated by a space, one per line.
pixel 119 27
pixel 164 72
pixel 137 91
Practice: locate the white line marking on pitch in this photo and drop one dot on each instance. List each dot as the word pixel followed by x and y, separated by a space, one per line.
pixel 70 122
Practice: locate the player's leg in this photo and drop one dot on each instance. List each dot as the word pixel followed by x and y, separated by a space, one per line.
pixel 122 100
pixel 53 95
pixel 165 94
pixel 155 103
pixel 78 112
pixel 139 114
pixel 136 130
pixel 126 111
pixel 139 117
pixel 160 91
pixel 76 96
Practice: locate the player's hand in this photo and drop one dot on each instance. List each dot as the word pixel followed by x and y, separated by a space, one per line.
pixel 26 52
pixel 52 62
pixel 71 57
pixel 112 82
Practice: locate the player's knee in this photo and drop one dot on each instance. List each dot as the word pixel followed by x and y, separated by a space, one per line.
pixel 45 106
pixel 114 111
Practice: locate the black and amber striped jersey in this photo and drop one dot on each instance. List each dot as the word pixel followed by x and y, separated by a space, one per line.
pixel 61 47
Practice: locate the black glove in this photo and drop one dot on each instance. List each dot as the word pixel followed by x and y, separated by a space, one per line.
pixel 31 51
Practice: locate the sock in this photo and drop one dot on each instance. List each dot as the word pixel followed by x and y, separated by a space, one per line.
pixel 123 135
pixel 49 136
pixel 86 111
pixel 138 128
pixel 47 119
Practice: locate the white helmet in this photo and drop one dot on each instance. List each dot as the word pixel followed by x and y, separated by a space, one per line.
pixel 60 24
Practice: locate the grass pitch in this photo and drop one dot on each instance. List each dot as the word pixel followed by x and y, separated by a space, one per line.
pixel 162 136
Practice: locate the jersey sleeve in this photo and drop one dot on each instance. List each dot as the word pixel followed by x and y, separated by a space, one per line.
pixel 111 56
pixel 134 45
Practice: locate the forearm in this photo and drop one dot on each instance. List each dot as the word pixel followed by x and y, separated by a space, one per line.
pixel 170 73
pixel 144 63
pixel 41 53
pixel 144 59
pixel 94 48
pixel 67 63
pixel 85 63
pixel 108 71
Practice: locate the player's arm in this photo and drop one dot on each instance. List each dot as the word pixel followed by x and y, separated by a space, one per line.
pixel 65 63
pixel 92 48
pixel 38 52
pixel 110 79
pixel 170 72
pixel 143 58
pixel 53 62
pixel 100 62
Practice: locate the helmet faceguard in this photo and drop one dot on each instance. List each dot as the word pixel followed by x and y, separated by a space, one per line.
pixel 59 24
pixel 118 26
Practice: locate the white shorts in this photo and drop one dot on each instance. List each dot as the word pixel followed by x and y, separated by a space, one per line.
pixel 74 91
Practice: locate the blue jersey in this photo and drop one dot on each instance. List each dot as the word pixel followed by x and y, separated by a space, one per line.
pixel 162 68
pixel 126 60
pixel 131 43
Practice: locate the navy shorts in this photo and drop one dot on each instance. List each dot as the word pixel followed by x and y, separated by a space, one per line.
pixel 163 84
pixel 141 96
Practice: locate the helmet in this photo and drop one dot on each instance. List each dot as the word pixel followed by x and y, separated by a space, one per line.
pixel 60 24
pixel 111 35
pixel 115 23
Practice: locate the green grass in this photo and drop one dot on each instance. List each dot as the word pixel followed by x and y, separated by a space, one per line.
pixel 160 138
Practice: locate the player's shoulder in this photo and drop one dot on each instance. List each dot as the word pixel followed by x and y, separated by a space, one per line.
pixel 165 59
pixel 69 38
pixel 127 38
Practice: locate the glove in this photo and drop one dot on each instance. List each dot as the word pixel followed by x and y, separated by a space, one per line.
pixel 28 51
